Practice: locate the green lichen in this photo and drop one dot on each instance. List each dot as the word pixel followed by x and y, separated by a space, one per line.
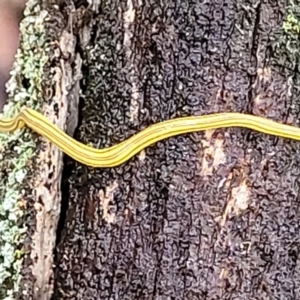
pixel 291 31
pixel 292 25
pixel 285 43
pixel 17 148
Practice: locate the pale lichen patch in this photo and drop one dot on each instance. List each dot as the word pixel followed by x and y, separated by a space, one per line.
pixel 18 148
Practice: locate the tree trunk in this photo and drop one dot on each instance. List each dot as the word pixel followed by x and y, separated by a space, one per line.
pixel 209 215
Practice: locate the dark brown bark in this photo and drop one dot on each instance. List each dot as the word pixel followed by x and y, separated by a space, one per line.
pixel 211 215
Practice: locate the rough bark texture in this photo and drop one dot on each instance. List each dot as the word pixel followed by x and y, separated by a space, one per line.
pixel 211 215
pixel 43 185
